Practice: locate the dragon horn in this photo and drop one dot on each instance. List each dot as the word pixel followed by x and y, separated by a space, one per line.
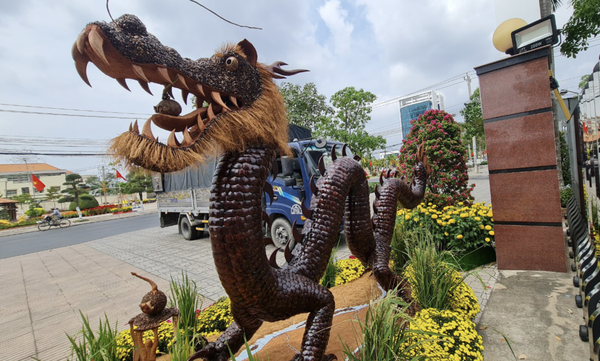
pixel 279 73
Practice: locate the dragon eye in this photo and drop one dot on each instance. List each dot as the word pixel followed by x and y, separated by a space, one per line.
pixel 231 63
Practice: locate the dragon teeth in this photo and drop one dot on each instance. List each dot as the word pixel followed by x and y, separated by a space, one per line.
pixel 172 141
pixel 81 62
pixel 139 71
pixel 145 86
pixel 97 43
pixel 123 83
pixel 187 138
pixel 135 128
pixel 164 73
pixel 147 129
pixel 217 98
pixel 184 95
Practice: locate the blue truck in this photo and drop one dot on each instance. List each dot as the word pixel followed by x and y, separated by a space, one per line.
pixel 183 197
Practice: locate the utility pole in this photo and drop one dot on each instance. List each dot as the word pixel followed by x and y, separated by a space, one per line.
pixel 104 185
pixel 468 79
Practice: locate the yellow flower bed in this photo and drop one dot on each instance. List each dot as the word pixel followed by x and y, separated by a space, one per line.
pixel 348 270
pixel 460 341
pixel 453 227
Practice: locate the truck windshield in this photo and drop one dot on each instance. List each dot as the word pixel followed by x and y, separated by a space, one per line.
pixel 314 153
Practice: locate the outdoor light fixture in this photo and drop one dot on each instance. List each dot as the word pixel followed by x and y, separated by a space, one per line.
pixel 537 34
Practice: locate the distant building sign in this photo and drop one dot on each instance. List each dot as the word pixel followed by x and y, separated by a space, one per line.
pixel 413 106
pixel 411 112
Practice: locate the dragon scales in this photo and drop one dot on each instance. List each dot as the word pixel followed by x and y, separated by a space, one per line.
pixel 240 113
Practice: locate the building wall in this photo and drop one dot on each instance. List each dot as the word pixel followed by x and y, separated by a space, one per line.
pixel 16 184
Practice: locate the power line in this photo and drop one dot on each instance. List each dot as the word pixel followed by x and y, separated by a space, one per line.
pixel 69 109
pixel 58 154
pixel 65 114
pixel 431 87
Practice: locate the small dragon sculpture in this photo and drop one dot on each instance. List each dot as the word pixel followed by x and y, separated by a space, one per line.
pixel 240 113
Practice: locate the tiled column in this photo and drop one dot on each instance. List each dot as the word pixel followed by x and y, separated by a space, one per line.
pixel 519 131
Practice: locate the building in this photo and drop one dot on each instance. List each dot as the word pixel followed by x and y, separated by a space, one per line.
pixel 413 106
pixel 15 179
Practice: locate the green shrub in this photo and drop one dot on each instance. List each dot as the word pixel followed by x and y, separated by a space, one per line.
pixel 565 195
pixel 4 214
pixel 85 201
pixel 34 211
pixel 447 185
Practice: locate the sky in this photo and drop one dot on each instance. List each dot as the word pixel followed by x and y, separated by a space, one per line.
pixel 391 48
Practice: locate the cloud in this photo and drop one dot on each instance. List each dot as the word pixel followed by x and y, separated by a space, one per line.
pixel 334 17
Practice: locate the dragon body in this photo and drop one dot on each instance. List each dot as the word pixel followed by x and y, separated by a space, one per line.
pixel 240 113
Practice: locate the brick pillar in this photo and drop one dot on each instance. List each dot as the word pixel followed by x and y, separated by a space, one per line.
pixel 519 131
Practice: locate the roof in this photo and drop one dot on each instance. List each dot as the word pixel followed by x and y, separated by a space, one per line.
pixel 7 201
pixel 29 167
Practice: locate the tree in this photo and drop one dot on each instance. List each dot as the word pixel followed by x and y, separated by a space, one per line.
pixel 583 81
pixel 583 25
pixel 352 112
pixel 52 194
pixel 437 131
pixel 305 106
pixel 138 182
pixel 474 120
pixel 75 188
pixel 24 198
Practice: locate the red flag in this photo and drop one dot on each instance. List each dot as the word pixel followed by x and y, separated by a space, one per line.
pixel 585 128
pixel 120 176
pixel 37 183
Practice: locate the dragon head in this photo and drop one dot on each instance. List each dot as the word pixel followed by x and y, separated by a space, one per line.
pixel 237 103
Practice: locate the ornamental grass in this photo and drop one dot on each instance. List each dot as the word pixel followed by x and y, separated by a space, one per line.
pixel 384 333
pixel 100 345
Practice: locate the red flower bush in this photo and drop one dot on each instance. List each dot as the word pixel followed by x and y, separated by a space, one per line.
pixel 447 184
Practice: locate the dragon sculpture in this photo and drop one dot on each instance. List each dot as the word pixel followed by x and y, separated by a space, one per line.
pixel 240 113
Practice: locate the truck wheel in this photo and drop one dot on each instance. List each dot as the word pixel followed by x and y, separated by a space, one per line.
pixel 281 232
pixel 188 231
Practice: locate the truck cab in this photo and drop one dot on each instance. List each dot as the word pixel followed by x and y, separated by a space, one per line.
pixel 291 186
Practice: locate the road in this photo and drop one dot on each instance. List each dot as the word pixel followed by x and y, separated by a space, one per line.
pixel 26 243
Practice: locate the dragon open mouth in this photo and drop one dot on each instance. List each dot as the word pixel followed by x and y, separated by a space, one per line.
pixel 237 103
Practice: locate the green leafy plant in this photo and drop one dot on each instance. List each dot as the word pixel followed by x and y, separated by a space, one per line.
pixel 447 184
pixel 88 345
pixel 565 195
